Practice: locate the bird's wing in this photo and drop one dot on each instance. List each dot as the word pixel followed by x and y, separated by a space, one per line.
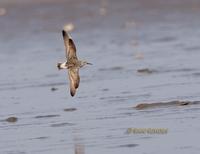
pixel 70 47
pixel 74 80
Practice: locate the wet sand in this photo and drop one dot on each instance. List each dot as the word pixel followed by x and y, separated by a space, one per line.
pixel 119 38
pixel 143 106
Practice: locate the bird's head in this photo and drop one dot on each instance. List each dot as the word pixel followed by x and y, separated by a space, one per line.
pixel 83 63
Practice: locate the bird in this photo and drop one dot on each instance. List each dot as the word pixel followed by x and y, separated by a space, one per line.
pixel 72 63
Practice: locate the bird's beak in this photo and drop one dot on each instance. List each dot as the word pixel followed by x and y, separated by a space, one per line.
pixel 89 63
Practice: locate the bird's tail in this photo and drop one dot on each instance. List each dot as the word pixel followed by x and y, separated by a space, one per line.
pixel 59 65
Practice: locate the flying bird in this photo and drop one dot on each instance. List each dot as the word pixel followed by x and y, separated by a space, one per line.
pixel 72 63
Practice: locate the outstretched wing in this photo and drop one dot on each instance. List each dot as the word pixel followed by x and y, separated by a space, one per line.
pixel 74 80
pixel 70 47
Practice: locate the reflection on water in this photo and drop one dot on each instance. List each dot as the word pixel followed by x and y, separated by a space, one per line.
pixel 79 149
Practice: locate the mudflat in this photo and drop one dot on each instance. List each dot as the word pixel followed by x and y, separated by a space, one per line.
pixel 157 37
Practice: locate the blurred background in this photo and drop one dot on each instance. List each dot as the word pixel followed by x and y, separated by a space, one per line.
pixel 142 51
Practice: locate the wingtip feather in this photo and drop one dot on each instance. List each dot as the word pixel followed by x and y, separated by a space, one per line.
pixel 63 33
pixel 72 93
pixel 66 34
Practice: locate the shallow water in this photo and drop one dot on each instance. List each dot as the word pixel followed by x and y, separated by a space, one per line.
pixel 125 37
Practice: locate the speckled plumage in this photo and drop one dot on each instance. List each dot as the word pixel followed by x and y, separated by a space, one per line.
pixel 72 63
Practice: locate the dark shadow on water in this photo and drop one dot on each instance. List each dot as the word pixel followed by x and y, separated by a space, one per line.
pixel 131 145
pixel 47 116
pixel 128 145
pixel 15 87
pixel 165 39
pixel 62 124
pixel 40 138
pixel 192 48
pixel 70 109
pixel 116 68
